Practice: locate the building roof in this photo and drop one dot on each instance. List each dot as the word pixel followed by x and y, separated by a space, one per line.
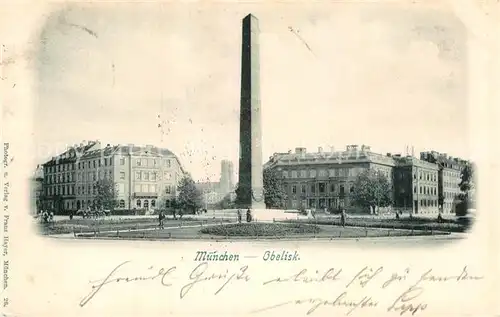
pixel 339 157
pixel 93 149
pixel 444 159
pixel 72 153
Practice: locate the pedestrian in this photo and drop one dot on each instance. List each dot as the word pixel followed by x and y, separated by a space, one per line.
pixel 71 215
pixel 397 215
pixel 440 218
pixel 249 215
pixel 342 218
pixel 161 219
pixel 51 216
pixel 239 215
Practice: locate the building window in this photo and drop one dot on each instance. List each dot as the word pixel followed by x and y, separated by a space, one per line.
pixel 153 176
pixel 137 188
pixel 145 176
pixel 294 189
pixel 313 188
pixel 144 162
pixel 167 189
pixel 285 174
pixel 146 203
pixel 332 188
pixel 303 189
pixel 352 189
pixel 167 163
pixel 294 174
pixel 110 161
pixel 122 161
pixel 145 188
pixel 138 162
pixel 321 187
pixel 138 175
pixel 152 188
pixel 415 189
pixel 342 191
pixel 122 203
pixel 105 161
pixel 153 202
pixel 303 174
pixel 167 175
pixel 312 173
pixel 138 203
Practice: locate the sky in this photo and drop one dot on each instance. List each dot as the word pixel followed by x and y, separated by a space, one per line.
pixel 384 75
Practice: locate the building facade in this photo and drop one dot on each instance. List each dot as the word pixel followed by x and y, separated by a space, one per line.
pixel 450 170
pixel 416 185
pixel 59 178
pixel 144 176
pixel 322 179
pixel 325 179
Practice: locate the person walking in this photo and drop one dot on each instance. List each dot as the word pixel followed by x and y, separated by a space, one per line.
pixel 161 219
pixel 343 217
pixel 239 215
pixel 249 215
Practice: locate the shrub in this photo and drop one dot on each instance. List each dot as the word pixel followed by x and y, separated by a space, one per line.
pixel 261 229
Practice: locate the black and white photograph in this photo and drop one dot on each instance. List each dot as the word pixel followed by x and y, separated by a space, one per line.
pixel 354 135
pixel 249 158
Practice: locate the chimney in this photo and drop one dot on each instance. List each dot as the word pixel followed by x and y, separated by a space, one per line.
pixel 388 155
pixel 300 150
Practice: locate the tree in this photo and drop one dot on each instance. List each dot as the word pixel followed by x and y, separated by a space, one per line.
pixel 190 198
pixel 274 194
pixel 372 189
pixel 440 200
pixel 106 194
pixel 226 202
pixel 466 185
pixel 466 181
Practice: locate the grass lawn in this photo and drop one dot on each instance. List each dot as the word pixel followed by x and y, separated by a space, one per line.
pixel 80 225
pixel 261 229
pixel 426 224
pixel 250 231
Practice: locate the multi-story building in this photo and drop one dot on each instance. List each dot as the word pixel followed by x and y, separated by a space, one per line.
pixel 214 192
pixel 144 176
pixel 450 169
pixel 59 178
pixel 325 179
pixel 416 185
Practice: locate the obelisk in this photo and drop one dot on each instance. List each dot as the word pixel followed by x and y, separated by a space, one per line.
pixel 251 186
